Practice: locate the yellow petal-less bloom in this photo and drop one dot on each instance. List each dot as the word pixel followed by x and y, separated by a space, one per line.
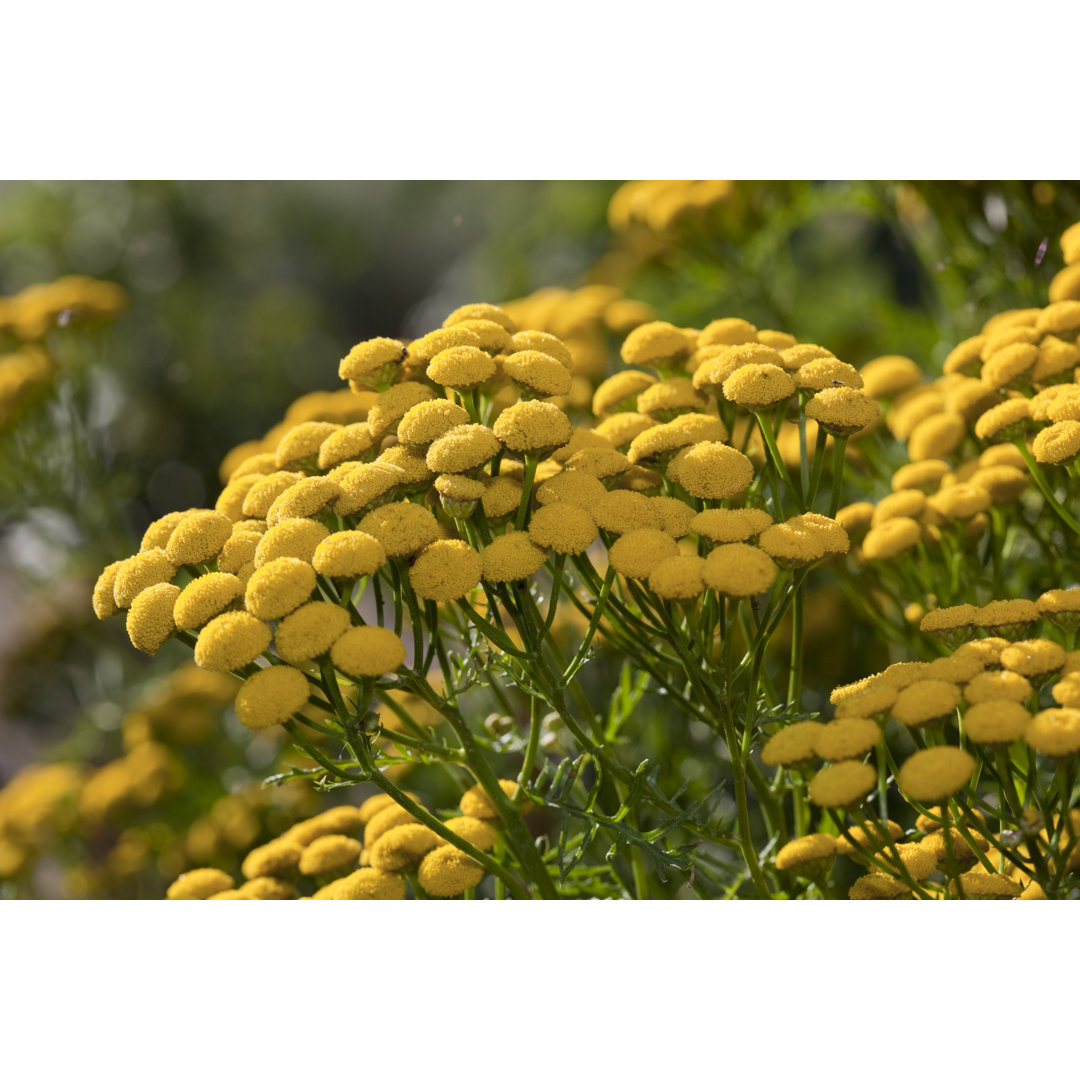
pixel 198 538
pixel 543 342
pixel 402 528
pixel 792 746
pixel 477 803
pixel 758 387
pixel 199 884
pixel 338 819
pixel 637 552
pixel 1054 733
pixel 486 312
pixel 278 857
pixel 563 528
pixel 571 486
pixel 231 641
pixel 1004 421
pixel 349 443
pixel 891 538
pixel 925 701
pixel 368 651
pixel 239 551
pixel 447 872
pixel 948 619
pixel 1060 442
pixel 481 834
pixel 328 855
pixel 304 499
pixel 205 597
pixel 728 331
pixel 872 839
pixel 888 376
pixel 150 619
pixel 263 888
pixel 538 373
pixel 622 511
pixel 936 437
pixel 462 448
pixel 843 410
pixel 712 470
pixel 295 538
pixel 1033 658
pixel 792 544
pixel 997 686
pixel 1005 615
pixel 847 737
pixel 878 887
pixel 678 578
pixel 279 587
pixel 907 503
pixel 139 572
pixel 265 490
pixel 463 367
pixel 656 343
pixel 310 631
pixel 730 526
pixel 996 722
pixel 826 372
pixel 446 570
pixel 367 883
pixel 372 363
pixel 739 570
pixel 348 555
pixel 842 785
pixel 978 886
pixel 620 392
pixel 270 697
pixel 501 498
pixel 512 557
pixel 103 601
pixel 158 532
pixel 533 427
pixel 391 405
pixel 808 855
pixel 622 428
pixel 302 442
pixel 1008 365
pixel 402 846
pixel 931 776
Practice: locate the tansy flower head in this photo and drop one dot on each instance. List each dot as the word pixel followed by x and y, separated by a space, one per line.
pixel 270 697
pixel 402 528
pixel 827 372
pixel 306 498
pixel 462 448
pixel 727 331
pixel 739 570
pixel 446 872
pixel 872 838
pixel 1004 421
pixel 302 443
pixel 924 701
pixel 328 855
pixel 977 886
pixel 363 485
pixel 445 570
pixel 339 819
pixel 874 699
pixel 571 486
pixel 621 429
pixel 295 538
pixel 463 367
pixel 481 834
pixel 878 887
pixel 263 888
pixel 792 543
pixel 103 601
pixel 602 462
pixel 681 577
pixel 278 857
pixel 996 722
pixel 1054 733
pixel 158 532
pixel 931 776
pixel 908 504
pixel 622 511
pixel 936 437
pixel 391 405
pixel 386 815
pixel 997 686
pixel 850 737
pixel 150 620
pixel 793 746
pixel 715 370
pixel 265 490
pixel 842 785
pixel 350 443
pixel 1003 483
pixel 758 387
pixel 1010 335
pixel 563 528
pixel 477 803
pixel 367 883
pixel 959 502
pixel 537 373
pixel 637 552
pixel 494 338
pixel 512 557
pixel 231 641
pixel 924 476
pixel 539 341
pixel 139 572
pixel 888 376
pixel 1007 617
pixel 1057 443
pixel 856 517
pixel 656 344
pixel 1008 365
pixel 619 393
pixel 808 856
pixel 1034 658
pixel 199 884
pixel 367 652
pixel 1059 318
pixel 278 587
pixel 372 363
pixel 487 312
pixel 402 846
pixel 712 470
pixel 842 410
pixel 205 597
pixel 1066 691
pixel 776 339
pixel 667 399
pixel 458 494
pixel 502 496
pixel 655 443
pixel 533 427
pixel 891 538
pixel 348 555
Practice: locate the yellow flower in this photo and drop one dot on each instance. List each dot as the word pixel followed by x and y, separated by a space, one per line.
pixel 278 857
pixel 1055 733
pixel 601 462
pixel 667 399
pixel 925 476
pixel 825 372
pixel 239 551
pixel 936 437
pixel 304 499
pixel 930 776
pixel 348 555
pixel 446 872
pixel 543 342
pixel 758 387
pixel 996 722
pixel 205 597
pixel 367 883
pixel 978 886
pixel 943 621
pixel 199 884
pixel 1065 284
pixel 367 652
pixel 338 819
pixel 402 846
pixel 231 641
pixel 727 331
pixel 997 686
pixel 363 483
pixel 279 587
pixel 924 701
pixel 477 803
pixel 891 538
pixel 637 552
pixel 792 543
pixel 263 888
pixel 571 486
pixel 808 855
pixel 878 887
pixel 402 528
pixel 711 470
pixel 681 577
pixel 302 442
pixel 271 696
pixel 848 737
pixel 372 363
pixel 889 376
pixel 619 392
pixel 537 373
pixel 622 511
pixel 871 838
pixel 103 601
pixel 563 528
pixel 139 572
pixel 501 498
pixel 533 427
pixel 1059 318
pixel 909 504
pixel 349 443
pixel 295 538
pixel 512 557
pixel 1006 615
pixel 1033 658
pixel 391 405
pixel 622 428
pixel 856 517
pixel 1004 421
pixel 843 410
pixel 841 785
pixel 481 834
pixel 462 448
pixel 1009 364
pixel 150 620
pixel 329 854
pixel 446 570
pixel 463 367
pixel 793 746
pixel 739 570
pixel 675 515
pixel 1058 443
pixel 656 343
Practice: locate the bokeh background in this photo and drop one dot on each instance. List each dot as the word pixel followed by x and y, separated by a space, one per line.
pixel 241 297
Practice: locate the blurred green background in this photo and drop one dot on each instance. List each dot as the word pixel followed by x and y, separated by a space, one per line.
pixel 244 295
